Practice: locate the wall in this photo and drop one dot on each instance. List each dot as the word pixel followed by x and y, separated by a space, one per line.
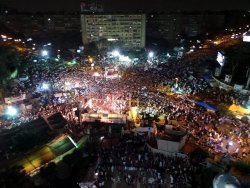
pixel 166 153
pixel 167 145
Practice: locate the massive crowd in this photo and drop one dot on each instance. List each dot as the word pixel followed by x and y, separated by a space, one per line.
pixel 130 161
pixel 68 84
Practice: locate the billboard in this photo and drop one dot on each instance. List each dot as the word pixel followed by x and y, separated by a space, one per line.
pixel 246 37
pixel 220 58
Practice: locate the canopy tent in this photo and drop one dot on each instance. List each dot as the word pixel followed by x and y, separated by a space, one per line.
pixel 206 105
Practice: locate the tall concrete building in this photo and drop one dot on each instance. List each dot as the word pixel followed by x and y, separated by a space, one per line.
pixel 127 30
pixel 166 26
pixel 192 25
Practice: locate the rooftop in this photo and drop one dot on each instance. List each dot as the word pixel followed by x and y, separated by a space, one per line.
pixel 172 135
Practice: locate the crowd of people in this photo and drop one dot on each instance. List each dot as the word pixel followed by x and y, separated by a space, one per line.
pixel 130 161
pixel 70 83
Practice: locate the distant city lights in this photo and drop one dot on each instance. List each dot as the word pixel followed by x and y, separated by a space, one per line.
pixel 3 36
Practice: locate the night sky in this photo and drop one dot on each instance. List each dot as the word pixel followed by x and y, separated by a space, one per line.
pixel 130 5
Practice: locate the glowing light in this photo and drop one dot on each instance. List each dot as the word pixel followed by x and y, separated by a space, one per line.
pixel 4 36
pixel 45 86
pixel 134 112
pixel 151 54
pixel 67 83
pixel 230 143
pixel 116 53
pixel 220 58
pixel 73 142
pixel 45 53
pixel 11 111
pixel 96 74
pixel 14 74
pixel 78 51
pixel 90 59
pixel 111 39
pixel 246 37
pixel 71 62
pixel 77 84
pixel 124 58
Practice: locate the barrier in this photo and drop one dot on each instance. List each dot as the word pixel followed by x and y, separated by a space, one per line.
pixel 229 87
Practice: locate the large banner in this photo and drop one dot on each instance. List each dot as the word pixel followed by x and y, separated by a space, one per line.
pixel 15 99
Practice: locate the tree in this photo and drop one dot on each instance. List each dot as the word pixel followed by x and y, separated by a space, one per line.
pixel 9 62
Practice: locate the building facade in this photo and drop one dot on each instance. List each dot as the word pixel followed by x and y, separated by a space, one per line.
pixel 127 30
pixel 166 26
pixel 36 24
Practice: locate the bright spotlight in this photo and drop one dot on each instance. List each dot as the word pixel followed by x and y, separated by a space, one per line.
pixel 230 143
pixel 45 86
pixel 116 53
pixel 11 111
pixel 151 54
pixel 45 53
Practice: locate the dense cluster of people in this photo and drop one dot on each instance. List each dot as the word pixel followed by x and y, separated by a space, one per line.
pixel 130 161
pixel 69 84
pixel 212 130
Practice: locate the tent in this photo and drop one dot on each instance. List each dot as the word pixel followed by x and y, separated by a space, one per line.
pixel 206 105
